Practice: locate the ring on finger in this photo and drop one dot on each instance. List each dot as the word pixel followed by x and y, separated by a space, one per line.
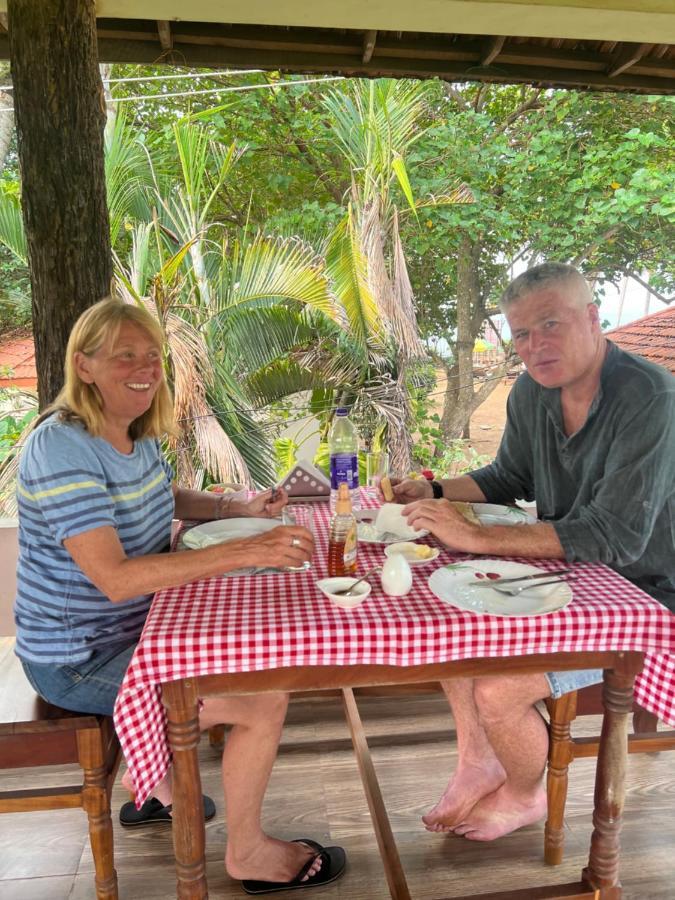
pixel 295 542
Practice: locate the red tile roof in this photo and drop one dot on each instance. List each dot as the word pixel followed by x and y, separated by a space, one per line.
pixel 17 363
pixel 652 337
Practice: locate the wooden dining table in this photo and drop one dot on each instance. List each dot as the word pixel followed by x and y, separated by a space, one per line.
pixel 277 631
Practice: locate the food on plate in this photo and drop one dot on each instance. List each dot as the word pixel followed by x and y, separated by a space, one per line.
pixel 466 509
pixel 423 551
pixel 385 486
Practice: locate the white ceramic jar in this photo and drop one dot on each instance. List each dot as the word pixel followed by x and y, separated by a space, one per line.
pixel 396 576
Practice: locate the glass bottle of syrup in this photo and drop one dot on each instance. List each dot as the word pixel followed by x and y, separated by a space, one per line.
pixel 342 541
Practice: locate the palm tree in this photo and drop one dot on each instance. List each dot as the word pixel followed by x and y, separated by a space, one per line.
pixel 376 123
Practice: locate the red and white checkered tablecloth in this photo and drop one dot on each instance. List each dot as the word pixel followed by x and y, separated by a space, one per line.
pixel 244 624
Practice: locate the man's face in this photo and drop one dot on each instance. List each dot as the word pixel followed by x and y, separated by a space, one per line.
pixel 556 334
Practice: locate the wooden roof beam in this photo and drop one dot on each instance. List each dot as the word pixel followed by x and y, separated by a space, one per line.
pixel 627 57
pixel 491 49
pixel 369 39
pixel 164 32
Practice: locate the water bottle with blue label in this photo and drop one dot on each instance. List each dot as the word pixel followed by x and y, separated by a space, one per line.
pixel 343 445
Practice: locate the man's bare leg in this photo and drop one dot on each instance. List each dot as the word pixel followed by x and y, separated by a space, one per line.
pixel 249 755
pixel 519 738
pixel 478 772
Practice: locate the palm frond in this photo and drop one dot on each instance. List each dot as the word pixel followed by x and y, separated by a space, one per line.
pixel 269 270
pixel 405 322
pixel 282 379
pixel 128 177
pixel 348 270
pixel 252 338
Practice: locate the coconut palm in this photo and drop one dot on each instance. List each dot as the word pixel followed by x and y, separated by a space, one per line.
pixel 376 123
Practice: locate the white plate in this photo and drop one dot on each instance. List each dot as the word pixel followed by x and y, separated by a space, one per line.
pixel 457 584
pixel 409 550
pixel 496 514
pixel 220 530
pixel 368 533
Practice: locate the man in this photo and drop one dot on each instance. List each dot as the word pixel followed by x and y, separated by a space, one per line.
pixel 590 434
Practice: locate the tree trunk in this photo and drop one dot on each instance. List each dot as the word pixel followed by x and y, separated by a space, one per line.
pixel 60 117
pixel 461 400
pixel 456 415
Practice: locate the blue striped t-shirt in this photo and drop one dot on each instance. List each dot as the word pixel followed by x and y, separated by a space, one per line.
pixel 70 482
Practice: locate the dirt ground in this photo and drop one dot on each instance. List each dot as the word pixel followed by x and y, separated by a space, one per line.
pixel 487 423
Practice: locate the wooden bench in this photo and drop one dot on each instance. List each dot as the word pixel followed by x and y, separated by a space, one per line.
pixel 34 733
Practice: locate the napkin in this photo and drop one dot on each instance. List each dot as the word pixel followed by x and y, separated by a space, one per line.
pixel 306 482
pixel 390 520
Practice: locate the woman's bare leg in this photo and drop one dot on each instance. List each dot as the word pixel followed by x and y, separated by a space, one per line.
pixel 249 755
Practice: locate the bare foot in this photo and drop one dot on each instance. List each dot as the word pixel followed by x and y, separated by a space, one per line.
pixel 468 785
pixel 271 860
pixel 501 813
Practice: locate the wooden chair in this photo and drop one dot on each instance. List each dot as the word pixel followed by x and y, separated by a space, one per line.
pixel 563 749
pixel 34 733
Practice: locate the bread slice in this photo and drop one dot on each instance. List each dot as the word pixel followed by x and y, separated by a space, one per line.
pixel 466 509
pixel 385 487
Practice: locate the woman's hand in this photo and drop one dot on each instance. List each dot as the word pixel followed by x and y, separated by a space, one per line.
pixel 407 490
pixel 287 545
pixel 262 506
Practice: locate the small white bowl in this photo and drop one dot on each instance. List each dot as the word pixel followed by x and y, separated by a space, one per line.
pixel 328 585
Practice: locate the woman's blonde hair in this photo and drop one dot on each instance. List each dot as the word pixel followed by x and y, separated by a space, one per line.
pixel 98 325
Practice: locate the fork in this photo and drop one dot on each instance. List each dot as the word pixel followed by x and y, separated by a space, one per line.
pixel 514 589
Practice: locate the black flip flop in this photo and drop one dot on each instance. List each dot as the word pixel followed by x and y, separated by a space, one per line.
pixel 333 862
pixel 155 813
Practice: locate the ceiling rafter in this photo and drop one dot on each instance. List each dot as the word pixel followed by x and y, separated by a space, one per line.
pixel 627 57
pixel 369 39
pixel 491 49
pixel 164 32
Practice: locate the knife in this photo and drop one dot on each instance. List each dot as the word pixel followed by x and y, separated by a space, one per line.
pixel 490 581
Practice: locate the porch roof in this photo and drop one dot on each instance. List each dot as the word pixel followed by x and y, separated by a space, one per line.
pixel 619 45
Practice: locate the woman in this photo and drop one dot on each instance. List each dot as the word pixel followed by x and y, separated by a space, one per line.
pixel 95 508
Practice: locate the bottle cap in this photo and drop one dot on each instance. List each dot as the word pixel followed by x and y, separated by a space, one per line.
pixel 342 411
pixel 343 503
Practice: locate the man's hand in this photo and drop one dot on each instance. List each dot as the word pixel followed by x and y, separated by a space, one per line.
pixel 407 490
pixel 444 521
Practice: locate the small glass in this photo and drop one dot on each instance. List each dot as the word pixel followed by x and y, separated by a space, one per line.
pixel 377 466
pixel 303 516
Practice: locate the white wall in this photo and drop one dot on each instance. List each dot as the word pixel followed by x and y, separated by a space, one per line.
pixel 9 549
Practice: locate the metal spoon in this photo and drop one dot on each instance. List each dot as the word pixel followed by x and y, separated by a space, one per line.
pixel 347 592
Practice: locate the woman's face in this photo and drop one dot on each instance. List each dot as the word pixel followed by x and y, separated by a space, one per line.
pixel 127 373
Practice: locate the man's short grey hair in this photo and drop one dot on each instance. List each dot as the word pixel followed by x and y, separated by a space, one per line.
pixel 543 276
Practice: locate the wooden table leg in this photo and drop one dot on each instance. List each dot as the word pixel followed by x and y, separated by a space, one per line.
pixel 393 870
pixel 602 872
pixel 189 838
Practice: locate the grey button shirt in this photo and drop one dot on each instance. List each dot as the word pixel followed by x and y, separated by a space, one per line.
pixel 609 489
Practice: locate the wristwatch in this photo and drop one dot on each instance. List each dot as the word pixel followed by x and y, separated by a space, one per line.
pixel 437 488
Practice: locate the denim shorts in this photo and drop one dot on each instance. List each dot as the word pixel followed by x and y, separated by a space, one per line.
pixel 564 682
pixel 88 687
